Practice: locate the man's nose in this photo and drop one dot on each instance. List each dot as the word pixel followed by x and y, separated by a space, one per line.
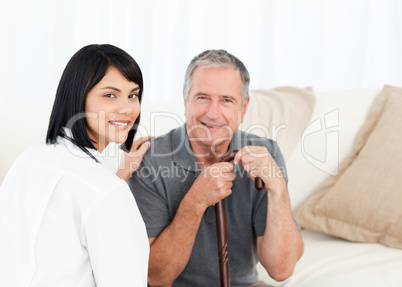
pixel 214 110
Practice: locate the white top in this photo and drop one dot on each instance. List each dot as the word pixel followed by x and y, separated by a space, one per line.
pixel 66 220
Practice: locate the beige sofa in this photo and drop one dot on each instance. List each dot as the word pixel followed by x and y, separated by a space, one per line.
pixel 316 131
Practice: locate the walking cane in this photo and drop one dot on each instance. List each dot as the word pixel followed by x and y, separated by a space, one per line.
pixel 221 227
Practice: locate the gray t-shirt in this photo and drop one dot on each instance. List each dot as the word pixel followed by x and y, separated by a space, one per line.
pixel 166 174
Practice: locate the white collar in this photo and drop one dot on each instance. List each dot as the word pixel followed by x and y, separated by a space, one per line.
pixel 74 149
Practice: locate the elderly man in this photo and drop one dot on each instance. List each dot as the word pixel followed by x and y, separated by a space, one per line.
pixel 178 204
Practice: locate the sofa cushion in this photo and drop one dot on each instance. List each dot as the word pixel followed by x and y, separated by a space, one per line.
pixel 280 114
pixel 362 202
pixel 324 145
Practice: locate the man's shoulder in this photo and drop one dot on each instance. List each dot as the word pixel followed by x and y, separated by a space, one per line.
pixel 162 147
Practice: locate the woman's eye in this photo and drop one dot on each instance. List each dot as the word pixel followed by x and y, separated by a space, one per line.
pixel 110 96
pixel 133 96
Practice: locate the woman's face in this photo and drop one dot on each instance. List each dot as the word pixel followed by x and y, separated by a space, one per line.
pixel 111 108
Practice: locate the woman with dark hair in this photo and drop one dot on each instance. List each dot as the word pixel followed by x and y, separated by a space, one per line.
pixel 65 219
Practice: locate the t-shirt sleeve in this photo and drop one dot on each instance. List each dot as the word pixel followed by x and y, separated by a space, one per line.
pixel 150 196
pixel 280 161
pixel 115 237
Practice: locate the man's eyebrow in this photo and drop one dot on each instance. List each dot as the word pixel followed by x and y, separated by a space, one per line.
pixel 232 98
pixel 229 97
pixel 118 90
pixel 201 94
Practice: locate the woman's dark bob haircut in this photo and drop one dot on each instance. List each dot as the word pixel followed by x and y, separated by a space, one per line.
pixel 84 70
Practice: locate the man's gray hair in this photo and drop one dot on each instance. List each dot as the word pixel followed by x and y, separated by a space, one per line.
pixel 221 59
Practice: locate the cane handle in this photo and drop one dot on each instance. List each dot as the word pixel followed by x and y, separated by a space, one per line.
pixel 229 156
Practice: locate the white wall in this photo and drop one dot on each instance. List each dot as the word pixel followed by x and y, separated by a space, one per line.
pixel 326 44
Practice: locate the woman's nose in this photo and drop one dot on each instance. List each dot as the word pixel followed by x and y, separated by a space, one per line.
pixel 125 107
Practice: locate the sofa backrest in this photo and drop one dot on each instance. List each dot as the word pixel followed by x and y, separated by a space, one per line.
pixel 20 127
pixel 325 143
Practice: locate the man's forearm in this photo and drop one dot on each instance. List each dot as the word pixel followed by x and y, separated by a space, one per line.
pixel 281 246
pixel 171 250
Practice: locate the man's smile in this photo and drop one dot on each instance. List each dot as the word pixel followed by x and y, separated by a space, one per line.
pixel 212 126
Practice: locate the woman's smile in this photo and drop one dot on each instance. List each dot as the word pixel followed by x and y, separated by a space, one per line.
pixel 120 124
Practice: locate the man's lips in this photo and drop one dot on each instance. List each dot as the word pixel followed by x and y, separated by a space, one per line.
pixel 213 126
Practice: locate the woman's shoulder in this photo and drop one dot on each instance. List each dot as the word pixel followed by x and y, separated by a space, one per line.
pixel 71 164
pixel 36 154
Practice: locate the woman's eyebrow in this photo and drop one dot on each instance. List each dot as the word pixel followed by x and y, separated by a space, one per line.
pixel 118 90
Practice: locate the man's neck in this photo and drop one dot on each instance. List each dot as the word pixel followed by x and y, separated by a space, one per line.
pixel 208 155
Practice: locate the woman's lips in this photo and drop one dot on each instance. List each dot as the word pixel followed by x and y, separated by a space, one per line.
pixel 120 124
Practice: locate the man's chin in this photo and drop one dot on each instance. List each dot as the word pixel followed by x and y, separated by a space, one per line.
pixel 215 142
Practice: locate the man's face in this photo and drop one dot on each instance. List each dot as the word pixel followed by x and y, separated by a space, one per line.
pixel 214 108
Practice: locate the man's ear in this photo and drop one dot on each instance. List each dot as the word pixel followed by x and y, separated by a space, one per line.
pixel 185 103
pixel 244 109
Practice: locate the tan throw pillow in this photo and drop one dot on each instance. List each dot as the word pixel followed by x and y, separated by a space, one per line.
pixel 363 203
pixel 280 114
